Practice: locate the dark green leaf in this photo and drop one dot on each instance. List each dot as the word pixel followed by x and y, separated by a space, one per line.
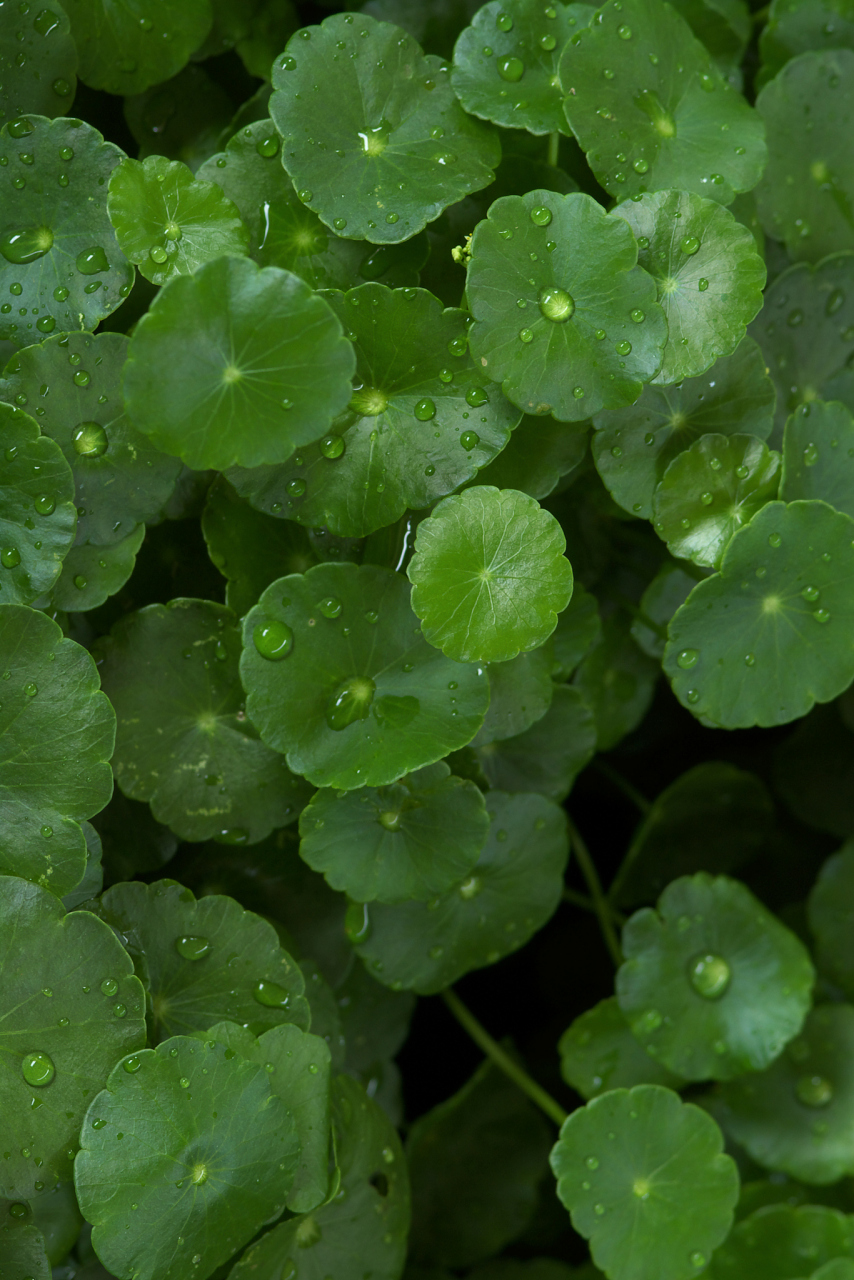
pixel 90 574
pixel 38 64
pixel 541 451
pixel 22 1246
pixel 182 118
pixel 124 49
pixel 796 26
pixel 781 1243
pixel 831 910
pixel 818 455
pixel 268 30
pixel 548 757
pixel 598 1052
pixel 520 694
pixel 670 587
pixel 578 628
pixel 814 771
pixel 616 680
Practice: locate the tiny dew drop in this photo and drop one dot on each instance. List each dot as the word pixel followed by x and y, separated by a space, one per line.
pixel 702 284
pixel 132 1064
pixel 709 975
pixel 273 640
pixel 623 348
pixel 814 1091
pixel 271 995
pixel 268 146
pixel 109 987
pixel 330 607
pixel 357 923
pixel 37 1069
pixel 158 254
pixel 192 946
pixel 45 505
pixel 476 396
pixel 810 593
pixel 526 335
pixel 504 22
pixel 10 557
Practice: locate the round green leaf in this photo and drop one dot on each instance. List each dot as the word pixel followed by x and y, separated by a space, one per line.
pixel 598 1053
pixel 353 704
pixel 268 29
pixel 818 455
pixel 241 975
pixel 835 1269
pixel 489 575
pixel 724 27
pixel 767 637
pixel 22 1245
pixel 183 742
pixel 126 48
pixel 91 574
pixel 643 1175
pixel 506 62
pixel 712 818
pixel 283 231
pixel 167 222
pixel 514 888
pixel 616 680
pixel 183 118
pixel 363 1228
pixel 37 515
pixel 520 694
pixel 56 737
pixel 710 491
pixel 781 1242
pixel 298 1066
pixel 422 420
pixel 475 1162
pixel 805 194
pixel 38 63
pixel 578 628
pixel 797 26
pixel 71 1008
pixel 540 452
pixel 208 384
pixel 548 756
pixel 713 984
pixel 798 1116
pixel 708 274
pixel 665 117
pixel 93 877
pixel 208 1153
pixel 396 124
pixel 59 257
pixel 72 384
pixel 548 275
pixel 814 771
pixel 669 588
pixel 806 332
pixel 412 839
pixel 633 447
pixel 251 549
pixel 830 906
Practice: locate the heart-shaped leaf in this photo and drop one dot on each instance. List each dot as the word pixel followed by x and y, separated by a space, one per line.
pixel 56 737
pixel 124 49
pixel 506 63
pixel 598 1052
pixel 489 575
pixel 167 222
pixel 663 116
pixel 413 839
pixel 641 1173
pixel 708 273
pixel 565 320
pixel 633 447
pixel 422 419
pixel 204 962
pixel 377 127
pixel 183 742
pixel 237 393
pixel 72 1007
pixel 59 257
pixel 209 1153
pixel 353 704
pixel 706 992
pixel 38 64
pixel 764 639
pixel 513 890
pixel 710 491
pixel 72 384
pixel 818 455
pixel 37 514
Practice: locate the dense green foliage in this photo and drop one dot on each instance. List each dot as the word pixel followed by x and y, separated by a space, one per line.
pixel 426 436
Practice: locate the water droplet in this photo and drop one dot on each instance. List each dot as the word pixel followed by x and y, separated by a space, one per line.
pixel 109 987
pixel 92 261
pixel 526 335
pixel 37 1069
pixel 132 1064
pixel 810 593
pixel 774 540
pixel 469 440
pixel 702 284
pixel 351 701
pixel 425 410
pixel 709 976
pixel 687 659
pixel 296 487
pixel 624 32
pixel 192 947
pixel 21 247
pixel 504 22
pixel 273 640
pixel 810 455
pixel 330 607
pixel 706 499
pixel 749 659
pixel 689 245
pixel 599 1210
pixel 158 254
pixel 268 146
pixel 623 348
pixel 510 68
pixel 556 305
pixel 698 1259
pixel 271 995
pixel 10 557
pixel 821 615
pixel 332 446
pixel 541 216
pixel 45 505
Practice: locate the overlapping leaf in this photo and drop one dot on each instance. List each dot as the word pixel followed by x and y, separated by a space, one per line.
pixel 38 63
pixel 818 455
pixel 548 756
pixel 598 1052
pixel 124 49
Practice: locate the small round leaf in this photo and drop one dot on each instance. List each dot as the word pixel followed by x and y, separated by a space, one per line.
pixel 643 1175
pixel 818 455
pixel 38 64
pixel 91 574
pixel 781 1242
pixel 713 985
pixel 598 1053
pixel 565 320
pixel 125 48
pixel 351 702
pixel 388 117
pixel 410 840
pixel 489 575
pixel 208 384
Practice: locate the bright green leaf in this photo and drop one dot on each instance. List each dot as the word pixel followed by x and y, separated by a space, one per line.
pixel 395 123
pixel 38 64
pixel 352 703
pixel 167 222
pixel 818 455
pixel 126 48
pixel 706 991
pixel 513 890
pixel 489 575
pixel 548 756
pixel 643 1175
pixel 72 1007
pixel 560 306
pixel 205 382
pixel 598 1052
pixel 410 840
pixel 764 639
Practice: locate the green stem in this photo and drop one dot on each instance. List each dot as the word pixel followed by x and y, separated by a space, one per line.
pixel 600 902
pixel 502 1060
pixel 577 899
pixel 554 148
pixel 629 791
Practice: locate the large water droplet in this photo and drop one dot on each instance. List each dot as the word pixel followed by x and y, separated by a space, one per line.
pixel 425 410
pixel 90 440
pixel 21 247
pixel 469 440
pixel 541 216
pixel 271 995
pixel 330 607
pixel 687 659
pixel 689 245
pixel 273 640
pixel 92 261
pixel 192 947
pixel 10 557
pixel 351 701
pixel 511 68
pixel 556 304
pixel 814 1091
pixel 37 1069
pixel 709 976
